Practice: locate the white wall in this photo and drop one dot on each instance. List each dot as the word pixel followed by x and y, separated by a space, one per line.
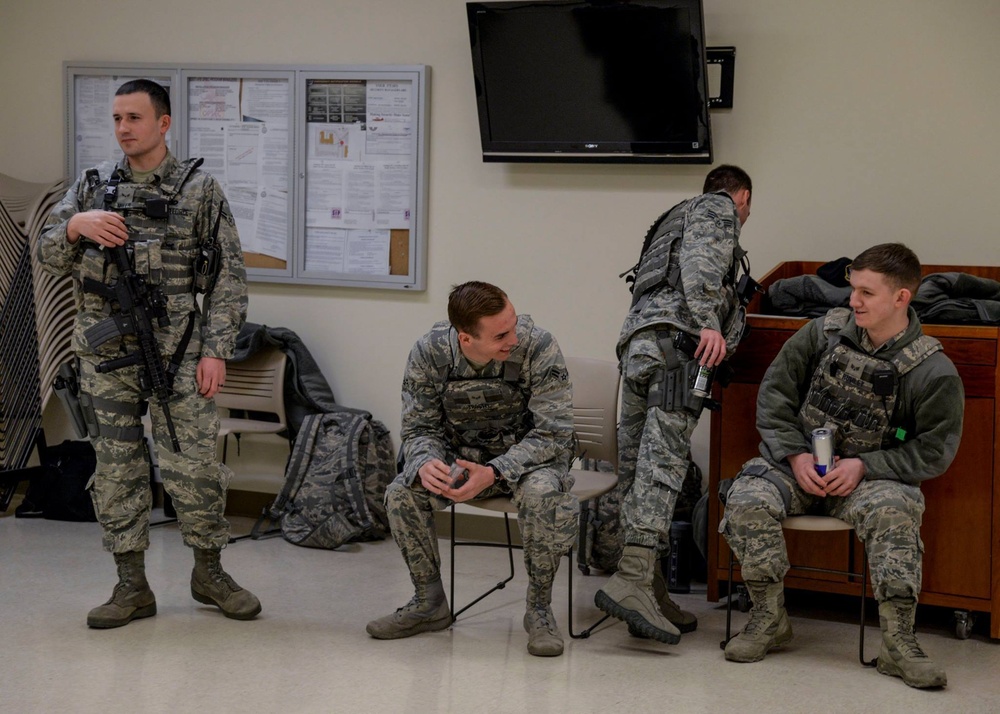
pixel 859 121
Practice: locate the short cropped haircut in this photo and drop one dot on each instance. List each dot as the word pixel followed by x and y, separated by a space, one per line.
pixel 470 301
pixel 159 96
pixel 895 261
pixel 727 178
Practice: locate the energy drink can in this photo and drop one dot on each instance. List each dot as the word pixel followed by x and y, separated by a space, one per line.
pixel 458 476
pixel 702 386
pixel 822 439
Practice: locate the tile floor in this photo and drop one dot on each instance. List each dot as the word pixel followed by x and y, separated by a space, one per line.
pixel 308 650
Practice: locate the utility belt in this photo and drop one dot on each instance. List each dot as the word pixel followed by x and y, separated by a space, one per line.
pixel 678 386
pixel 82 407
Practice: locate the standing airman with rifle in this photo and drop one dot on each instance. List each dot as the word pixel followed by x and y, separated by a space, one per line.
pixel 143 238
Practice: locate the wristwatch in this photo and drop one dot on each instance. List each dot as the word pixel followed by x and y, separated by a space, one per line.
pixel 497 476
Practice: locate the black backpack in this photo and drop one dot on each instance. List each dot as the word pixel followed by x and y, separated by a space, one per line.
pixel 601 537
pixel 335 481
pixel 60 491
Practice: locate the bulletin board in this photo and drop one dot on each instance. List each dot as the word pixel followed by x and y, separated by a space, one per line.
pixel 324 167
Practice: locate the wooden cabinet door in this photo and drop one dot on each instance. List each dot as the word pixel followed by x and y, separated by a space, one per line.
pixel 957 523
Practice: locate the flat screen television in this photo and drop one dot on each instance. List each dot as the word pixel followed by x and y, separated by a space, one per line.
pixel 614 81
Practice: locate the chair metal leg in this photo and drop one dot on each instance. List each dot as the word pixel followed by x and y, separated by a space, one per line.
pixel 501 584
pixel 585 633
pixel 729 604
pixel 864 598
pixel 451 589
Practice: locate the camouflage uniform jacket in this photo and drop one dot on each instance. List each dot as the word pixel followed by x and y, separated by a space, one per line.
pixel 708 250
pixel 930 404
pixel 165 253
pixel 545 437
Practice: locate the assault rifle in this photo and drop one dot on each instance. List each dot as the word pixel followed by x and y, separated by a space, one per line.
pixel 138 305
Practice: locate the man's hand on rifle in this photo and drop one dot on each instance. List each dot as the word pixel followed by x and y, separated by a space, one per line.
pixel 211 376
pixel 105 228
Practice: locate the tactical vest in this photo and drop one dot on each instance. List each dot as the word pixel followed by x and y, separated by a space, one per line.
pixel 855 392
pixel 164 247
pixel 161 229
pixel 659 261
pixel 489 414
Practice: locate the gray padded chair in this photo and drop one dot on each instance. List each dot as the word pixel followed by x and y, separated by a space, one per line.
pixel 256 384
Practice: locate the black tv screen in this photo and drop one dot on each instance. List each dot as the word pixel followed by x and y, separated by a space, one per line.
pixel 598 81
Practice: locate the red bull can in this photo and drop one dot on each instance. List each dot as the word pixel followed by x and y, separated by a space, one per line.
pixel 822 441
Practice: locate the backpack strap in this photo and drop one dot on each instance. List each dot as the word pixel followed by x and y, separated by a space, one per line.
pixel 298 464
pixel 356 489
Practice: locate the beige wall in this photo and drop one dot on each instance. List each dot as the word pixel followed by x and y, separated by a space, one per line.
pixel 860 121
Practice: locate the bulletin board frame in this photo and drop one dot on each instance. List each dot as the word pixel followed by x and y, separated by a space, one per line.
pixel 342 201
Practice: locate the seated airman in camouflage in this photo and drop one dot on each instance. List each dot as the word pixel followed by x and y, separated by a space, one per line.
pixel 487 391
pixel 895 404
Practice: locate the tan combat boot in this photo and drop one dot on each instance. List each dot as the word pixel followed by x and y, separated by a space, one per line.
pixel 131 598
pixel 427 611
pixel 544 638
pixel 901 655
pixel 768 627
pixel 681 619
pixel 211 585
pixel 628 596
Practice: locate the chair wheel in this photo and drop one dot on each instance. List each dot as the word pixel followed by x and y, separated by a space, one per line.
pixel 964 622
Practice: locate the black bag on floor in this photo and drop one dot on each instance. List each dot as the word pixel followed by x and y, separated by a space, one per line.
pixel 601 538
pixel 335 481
pixel 60 492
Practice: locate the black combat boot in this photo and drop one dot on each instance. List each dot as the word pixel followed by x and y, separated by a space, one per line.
pixel 131 598
pixel 212 585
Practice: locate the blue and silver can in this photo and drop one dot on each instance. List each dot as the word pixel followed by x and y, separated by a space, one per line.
pixel 822 440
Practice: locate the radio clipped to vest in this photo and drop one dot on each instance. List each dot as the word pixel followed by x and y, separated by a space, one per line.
pixel 206 265
pixel 747 287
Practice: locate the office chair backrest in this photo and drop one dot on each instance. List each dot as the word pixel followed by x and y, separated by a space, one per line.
pixel 596 385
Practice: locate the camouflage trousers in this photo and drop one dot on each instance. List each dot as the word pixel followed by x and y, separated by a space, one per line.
pixel 653 447
pixel 194 478
pixel 547 515
pixel 886 516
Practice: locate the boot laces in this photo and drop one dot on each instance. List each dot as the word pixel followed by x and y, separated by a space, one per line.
pixel 906 641
pixel 759 621
pixel 542 618
pixel 126 584
pixel 412 606
pixel 120 592
pixel 418 606
pixel 220 577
